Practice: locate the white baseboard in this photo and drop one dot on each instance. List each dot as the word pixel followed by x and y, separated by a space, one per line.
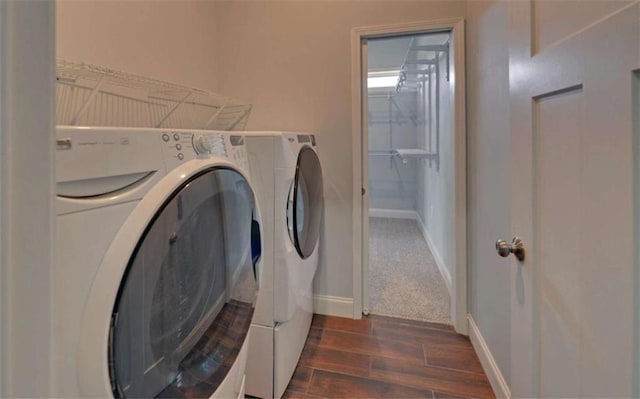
pixel 496 379
pixel 333 306
pixel 444 271
pixel 393 213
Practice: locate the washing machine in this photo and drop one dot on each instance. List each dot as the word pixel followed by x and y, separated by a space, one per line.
pixel 287 176
pixel 157 256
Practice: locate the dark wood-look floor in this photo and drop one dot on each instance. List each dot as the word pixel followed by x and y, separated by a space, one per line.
pixel 384 357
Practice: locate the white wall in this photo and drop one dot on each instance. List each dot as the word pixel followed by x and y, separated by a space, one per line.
pixel 292 61
pixel 168 40
pixel 488 176
pixel 437 205
pixel 26 197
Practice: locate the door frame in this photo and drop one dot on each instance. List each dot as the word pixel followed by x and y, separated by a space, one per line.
pixel 27 191
pixel 459 305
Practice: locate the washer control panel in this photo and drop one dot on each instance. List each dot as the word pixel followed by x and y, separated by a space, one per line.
pixel 237 151
pixel 209 144
pixel 181 146
pixel 177 145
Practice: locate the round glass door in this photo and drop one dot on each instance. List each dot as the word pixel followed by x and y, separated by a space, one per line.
pixel 304 206
pixel 185 304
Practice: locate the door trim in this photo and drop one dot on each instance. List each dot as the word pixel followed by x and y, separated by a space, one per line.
pixel 27 189
pixel 459 304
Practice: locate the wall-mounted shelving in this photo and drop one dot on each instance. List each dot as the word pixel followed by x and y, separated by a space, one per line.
pixel 421 71
pixel 90 95
pixel 425 66
pixel 420 61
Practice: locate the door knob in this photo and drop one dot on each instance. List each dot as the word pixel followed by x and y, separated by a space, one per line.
pixel 516 247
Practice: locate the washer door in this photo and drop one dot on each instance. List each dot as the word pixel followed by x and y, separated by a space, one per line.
pixel 304 207
pixel 185 304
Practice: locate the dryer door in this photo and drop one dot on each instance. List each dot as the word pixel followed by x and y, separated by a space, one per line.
pixel 304 208
pixel 185 304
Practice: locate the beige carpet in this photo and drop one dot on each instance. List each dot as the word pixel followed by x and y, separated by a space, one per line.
pixel 404 279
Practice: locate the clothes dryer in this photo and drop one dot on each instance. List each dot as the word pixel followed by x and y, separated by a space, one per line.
pixel 288 180
pixel 158 246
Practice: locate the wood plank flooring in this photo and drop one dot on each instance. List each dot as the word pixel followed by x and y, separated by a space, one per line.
pixel 385 357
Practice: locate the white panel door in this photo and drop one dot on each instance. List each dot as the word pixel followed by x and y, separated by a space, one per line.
pixel 574 180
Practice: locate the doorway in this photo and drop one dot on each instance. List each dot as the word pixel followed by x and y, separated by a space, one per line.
pixel 409 169
pixel 409 175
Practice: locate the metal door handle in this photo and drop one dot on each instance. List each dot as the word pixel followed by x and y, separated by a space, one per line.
pixel 516 247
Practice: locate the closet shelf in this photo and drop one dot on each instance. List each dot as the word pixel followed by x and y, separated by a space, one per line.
pixel 404 153
pixel 414 153
pixel 411 152
pixel 90 95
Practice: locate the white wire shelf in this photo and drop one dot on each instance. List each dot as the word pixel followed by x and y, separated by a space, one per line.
pixel 404 154
pixel 90 95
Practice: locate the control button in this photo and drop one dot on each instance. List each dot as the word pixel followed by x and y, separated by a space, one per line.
pixel 165 137
pixel 178 147
pixel 176 136
pixel 180 156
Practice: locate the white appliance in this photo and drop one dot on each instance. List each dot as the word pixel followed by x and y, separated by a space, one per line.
pixel 158 246
pixel 288 181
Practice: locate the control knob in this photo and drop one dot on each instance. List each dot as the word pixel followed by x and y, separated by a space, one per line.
pixel 202 144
